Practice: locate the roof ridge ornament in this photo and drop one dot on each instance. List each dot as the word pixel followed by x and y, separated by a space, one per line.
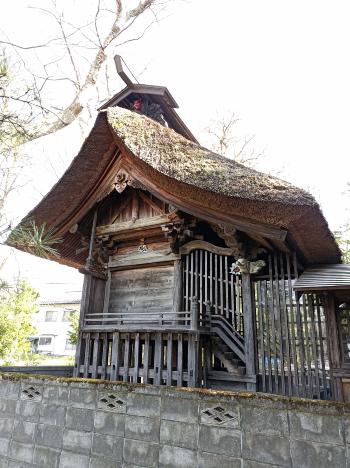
pixel 118 64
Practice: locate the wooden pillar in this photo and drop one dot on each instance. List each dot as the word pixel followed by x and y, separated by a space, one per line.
pixel 84 309
pixel 89 260
pixel 249 329
pixel 333 345
pixel 192 364
pixel 106 295
pixel 177 298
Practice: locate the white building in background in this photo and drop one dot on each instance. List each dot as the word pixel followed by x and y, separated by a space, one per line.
pixel 52 327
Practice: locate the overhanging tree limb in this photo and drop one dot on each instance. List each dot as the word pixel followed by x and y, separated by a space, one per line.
pixel 123 21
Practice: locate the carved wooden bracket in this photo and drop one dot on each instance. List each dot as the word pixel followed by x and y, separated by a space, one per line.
pixel 245 266
pixel 104 247
pixel 203 245
pixel 228 234
pixel 174 233
pixel 178 232
pixel 121 181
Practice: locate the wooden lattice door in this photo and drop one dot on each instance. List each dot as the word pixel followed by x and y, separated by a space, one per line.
pixel 206 276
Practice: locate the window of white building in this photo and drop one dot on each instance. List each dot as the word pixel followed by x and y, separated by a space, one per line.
pixel 51 316
pixel 45 341
pixel 67 314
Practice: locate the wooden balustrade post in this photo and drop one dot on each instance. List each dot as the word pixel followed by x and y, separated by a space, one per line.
pixel 194 313
pixel 207 319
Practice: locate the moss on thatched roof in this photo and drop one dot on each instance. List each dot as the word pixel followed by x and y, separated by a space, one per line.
pixel 175 156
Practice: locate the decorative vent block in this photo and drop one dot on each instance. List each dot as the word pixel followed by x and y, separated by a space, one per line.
pixel 31 393
pixel 112 402
pixel 218 416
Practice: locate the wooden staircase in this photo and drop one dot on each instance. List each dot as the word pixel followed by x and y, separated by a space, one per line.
pixel 228 358
pixel 228 347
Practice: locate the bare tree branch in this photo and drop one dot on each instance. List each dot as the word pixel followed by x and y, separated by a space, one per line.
pixel 225 141
pixel 119 26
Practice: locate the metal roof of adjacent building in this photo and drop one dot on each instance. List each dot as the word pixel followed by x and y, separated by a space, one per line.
pixel 324 277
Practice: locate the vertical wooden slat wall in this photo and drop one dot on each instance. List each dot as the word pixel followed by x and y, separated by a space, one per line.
pixel 291 334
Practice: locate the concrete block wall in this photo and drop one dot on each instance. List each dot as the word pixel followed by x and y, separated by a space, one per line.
pixel 70 423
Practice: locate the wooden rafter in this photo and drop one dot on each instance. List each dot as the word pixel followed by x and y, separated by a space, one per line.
pixel 121 208
pixel 151 203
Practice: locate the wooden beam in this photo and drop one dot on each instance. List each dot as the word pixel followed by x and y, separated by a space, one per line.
pixel 138 225
pixel 199 244
pixel 92 274
pixel 126 262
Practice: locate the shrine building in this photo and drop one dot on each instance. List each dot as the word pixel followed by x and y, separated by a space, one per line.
pixel 198 271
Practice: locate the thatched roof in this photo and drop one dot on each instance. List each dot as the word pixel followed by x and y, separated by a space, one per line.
pixel 187 175
pixel 183 160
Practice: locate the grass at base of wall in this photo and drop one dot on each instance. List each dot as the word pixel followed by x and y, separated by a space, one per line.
pixel 43 360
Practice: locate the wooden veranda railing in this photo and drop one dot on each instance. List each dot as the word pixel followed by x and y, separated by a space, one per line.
pixel 163 348
pixel 145 320
pixel 156 358
pixel 193 319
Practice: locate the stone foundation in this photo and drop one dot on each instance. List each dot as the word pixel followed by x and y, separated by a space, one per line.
pixel 71 423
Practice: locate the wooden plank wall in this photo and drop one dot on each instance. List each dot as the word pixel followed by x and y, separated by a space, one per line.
pixel 291 334
pixel 142 290
pixel 148 357
pixel 206 275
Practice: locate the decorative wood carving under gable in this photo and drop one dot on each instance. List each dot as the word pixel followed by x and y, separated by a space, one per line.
pixel 229 235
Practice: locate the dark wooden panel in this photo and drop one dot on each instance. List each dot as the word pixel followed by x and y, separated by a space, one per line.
pixel 142 290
